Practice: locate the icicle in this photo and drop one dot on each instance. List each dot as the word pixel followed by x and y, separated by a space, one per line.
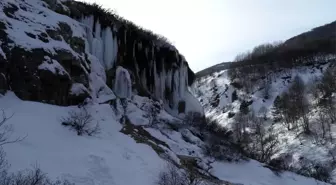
pixel 115 48
pixel 108 48
pixel 123 83
pixel 97 50
pixel 97 30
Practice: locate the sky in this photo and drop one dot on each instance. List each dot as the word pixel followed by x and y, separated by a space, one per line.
pixel 208 32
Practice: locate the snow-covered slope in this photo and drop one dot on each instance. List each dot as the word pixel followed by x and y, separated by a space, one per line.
pixel 56 53
pixel 216 92
pixel 112 157
pixel 109 158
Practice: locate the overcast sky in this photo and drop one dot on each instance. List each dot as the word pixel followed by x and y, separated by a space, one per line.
pixel 208 32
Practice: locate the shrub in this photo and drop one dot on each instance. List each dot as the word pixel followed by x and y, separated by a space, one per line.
pixel 172 175
pixel 82 122
pixel 33 176
pixel 315 170
pixel 152 109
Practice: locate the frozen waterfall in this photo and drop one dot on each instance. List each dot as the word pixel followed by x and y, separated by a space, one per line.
pixel 123 83
pixel 102 42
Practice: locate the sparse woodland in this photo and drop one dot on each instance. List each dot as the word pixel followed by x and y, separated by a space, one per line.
pixel 305 108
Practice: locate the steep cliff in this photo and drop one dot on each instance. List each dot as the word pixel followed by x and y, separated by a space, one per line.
pixel 61 56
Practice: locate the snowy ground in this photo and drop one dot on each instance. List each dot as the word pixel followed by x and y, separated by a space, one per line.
pixel 110 157
pixel 253 173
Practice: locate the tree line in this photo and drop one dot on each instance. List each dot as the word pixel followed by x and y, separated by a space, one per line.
pixel 250 66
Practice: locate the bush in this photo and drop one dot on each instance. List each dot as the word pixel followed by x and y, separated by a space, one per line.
pixel 152 109
pixel 194 119
pixel 315 170
pixel 81 122
pixel 33 176
pixel 172 175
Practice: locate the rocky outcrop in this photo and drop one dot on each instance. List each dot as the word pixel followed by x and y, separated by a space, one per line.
pixel 50 57
pixel 41 59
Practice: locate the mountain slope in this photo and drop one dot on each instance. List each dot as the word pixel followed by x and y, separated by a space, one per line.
pixel 59 56
pixel 216 94
pixel 112 157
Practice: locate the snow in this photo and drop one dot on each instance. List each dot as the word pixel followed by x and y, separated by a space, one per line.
pixel 253 173
pixel 36 20
pixel 111 157
pixel 123 83
pixel 78 88
pixel 2 53
pixel 108 158
pixel 100 91
pixel 290 142
pixel 192 104
pixel 53 66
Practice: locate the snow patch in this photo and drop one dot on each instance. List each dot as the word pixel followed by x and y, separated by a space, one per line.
pixel 78 89
pixel 53 66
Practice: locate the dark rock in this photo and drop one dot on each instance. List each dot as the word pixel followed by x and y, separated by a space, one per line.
pixel 231 114
pixel 43 37
pixel 234 96
pixel 181 107
pixel 65 31
pixel 56 6
pixel 3 84
pixel 31 35
pixel 73 66
pixel 78 98
pixel 54 34
pixel 55 88
pixel 10 10
pixel 29 82
pixel 77 44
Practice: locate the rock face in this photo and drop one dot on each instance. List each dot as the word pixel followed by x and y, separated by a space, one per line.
pixel 59 51
pixel 42 56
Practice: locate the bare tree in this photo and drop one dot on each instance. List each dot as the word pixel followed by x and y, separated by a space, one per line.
pixel 33 176
pixel 172 175
pixel 332 153
pixel 194 119
pixel 152 114
pixel 264 141
pixel 299 103
pixel 239 128
pixel 6 130
pixel 328 82
pixel 267 86
pixel 82 122
pixel 152 110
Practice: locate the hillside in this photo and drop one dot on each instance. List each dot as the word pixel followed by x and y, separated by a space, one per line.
pixel 320 40
pixel 89 98
pixel 280 112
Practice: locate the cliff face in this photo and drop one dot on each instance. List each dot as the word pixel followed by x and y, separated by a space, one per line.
pixel 76 51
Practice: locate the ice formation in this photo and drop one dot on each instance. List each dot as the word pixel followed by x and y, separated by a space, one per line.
pixel 102 41
pixel 168 83
pixel 123 83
